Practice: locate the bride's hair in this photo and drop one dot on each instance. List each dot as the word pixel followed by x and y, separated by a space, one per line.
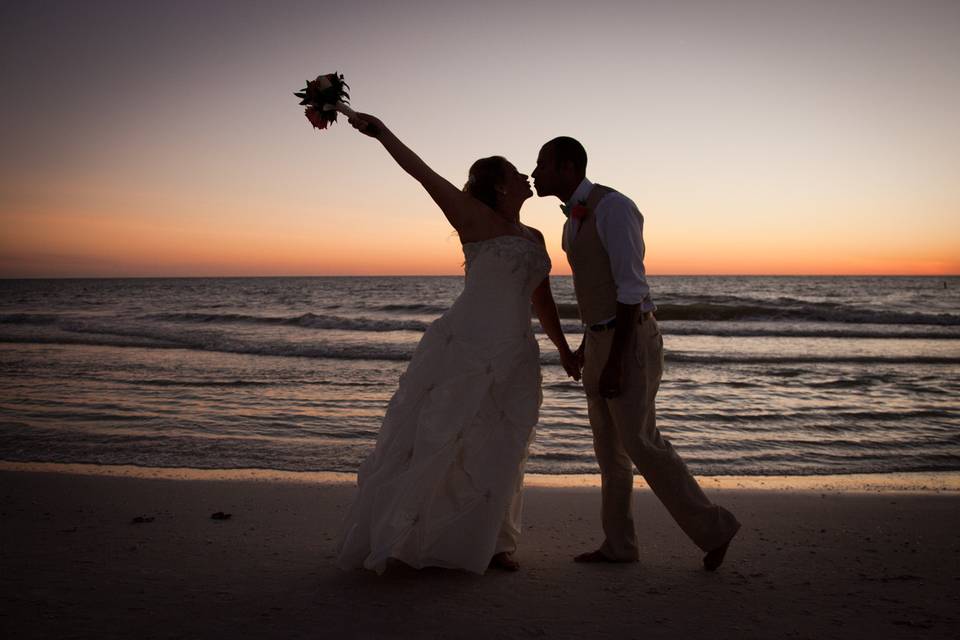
pixel 486 174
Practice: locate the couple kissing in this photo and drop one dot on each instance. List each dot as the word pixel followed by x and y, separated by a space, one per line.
pixel 443 486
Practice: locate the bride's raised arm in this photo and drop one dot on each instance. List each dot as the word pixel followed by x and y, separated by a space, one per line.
pixel 454 203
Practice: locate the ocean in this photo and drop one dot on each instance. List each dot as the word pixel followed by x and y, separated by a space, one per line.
pixel 764 375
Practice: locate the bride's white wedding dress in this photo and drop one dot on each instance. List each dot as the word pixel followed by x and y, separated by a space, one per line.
pixel 442 488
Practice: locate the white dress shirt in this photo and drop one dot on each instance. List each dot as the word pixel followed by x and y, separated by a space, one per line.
pixel 620 227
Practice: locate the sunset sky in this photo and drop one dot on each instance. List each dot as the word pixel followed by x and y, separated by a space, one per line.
pixel 757 137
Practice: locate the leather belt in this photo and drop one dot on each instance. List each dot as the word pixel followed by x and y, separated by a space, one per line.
pixel 646 316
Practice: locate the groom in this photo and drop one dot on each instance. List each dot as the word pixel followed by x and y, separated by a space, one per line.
pixel 622 355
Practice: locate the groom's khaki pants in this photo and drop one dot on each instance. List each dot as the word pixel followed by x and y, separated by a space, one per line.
pixel 625 434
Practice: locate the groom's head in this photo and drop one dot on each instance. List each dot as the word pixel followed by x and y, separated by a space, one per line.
pixel 561 166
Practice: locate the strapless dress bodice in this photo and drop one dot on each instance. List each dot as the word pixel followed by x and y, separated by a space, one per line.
pixel 501 274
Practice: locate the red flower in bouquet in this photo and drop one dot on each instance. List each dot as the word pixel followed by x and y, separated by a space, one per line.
pixel 316 118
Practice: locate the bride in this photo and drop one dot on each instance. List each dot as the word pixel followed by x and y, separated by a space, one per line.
pixel 443 486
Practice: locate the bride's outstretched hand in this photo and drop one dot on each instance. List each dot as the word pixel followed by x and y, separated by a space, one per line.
pixel 367 124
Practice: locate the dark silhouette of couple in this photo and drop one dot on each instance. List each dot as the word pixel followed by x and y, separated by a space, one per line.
pixel 443 487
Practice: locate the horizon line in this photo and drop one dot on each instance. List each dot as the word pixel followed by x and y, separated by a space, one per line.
pixel 451 275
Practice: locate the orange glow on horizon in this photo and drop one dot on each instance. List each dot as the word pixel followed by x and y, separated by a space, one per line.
pixel 62 245
pixel 193 234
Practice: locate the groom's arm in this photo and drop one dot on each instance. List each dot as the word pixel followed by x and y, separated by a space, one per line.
pixel 620 227
pixel 626 324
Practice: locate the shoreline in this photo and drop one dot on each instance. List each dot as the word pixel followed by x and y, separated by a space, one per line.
pixel 936 482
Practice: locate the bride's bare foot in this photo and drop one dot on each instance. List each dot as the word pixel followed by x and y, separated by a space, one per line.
pixel 504 561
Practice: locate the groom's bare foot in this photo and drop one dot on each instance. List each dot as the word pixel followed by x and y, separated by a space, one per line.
pixel 504 561
pixel 599 556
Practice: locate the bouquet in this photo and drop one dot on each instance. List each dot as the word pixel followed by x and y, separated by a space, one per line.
pixel 324 97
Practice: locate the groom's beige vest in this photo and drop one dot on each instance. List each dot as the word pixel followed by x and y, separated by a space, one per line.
pixel 593 281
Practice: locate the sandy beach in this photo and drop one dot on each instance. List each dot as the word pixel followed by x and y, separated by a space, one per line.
pixel 829 560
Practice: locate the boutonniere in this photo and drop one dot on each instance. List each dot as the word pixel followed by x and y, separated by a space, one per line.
pixel 576 211
pixel 579 211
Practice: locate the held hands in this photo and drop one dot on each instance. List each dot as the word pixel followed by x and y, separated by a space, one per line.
pixel 367 124
pixel 572 362
pixel 610 376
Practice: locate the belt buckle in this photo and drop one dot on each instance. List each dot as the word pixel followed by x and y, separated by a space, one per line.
pixel 603 326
